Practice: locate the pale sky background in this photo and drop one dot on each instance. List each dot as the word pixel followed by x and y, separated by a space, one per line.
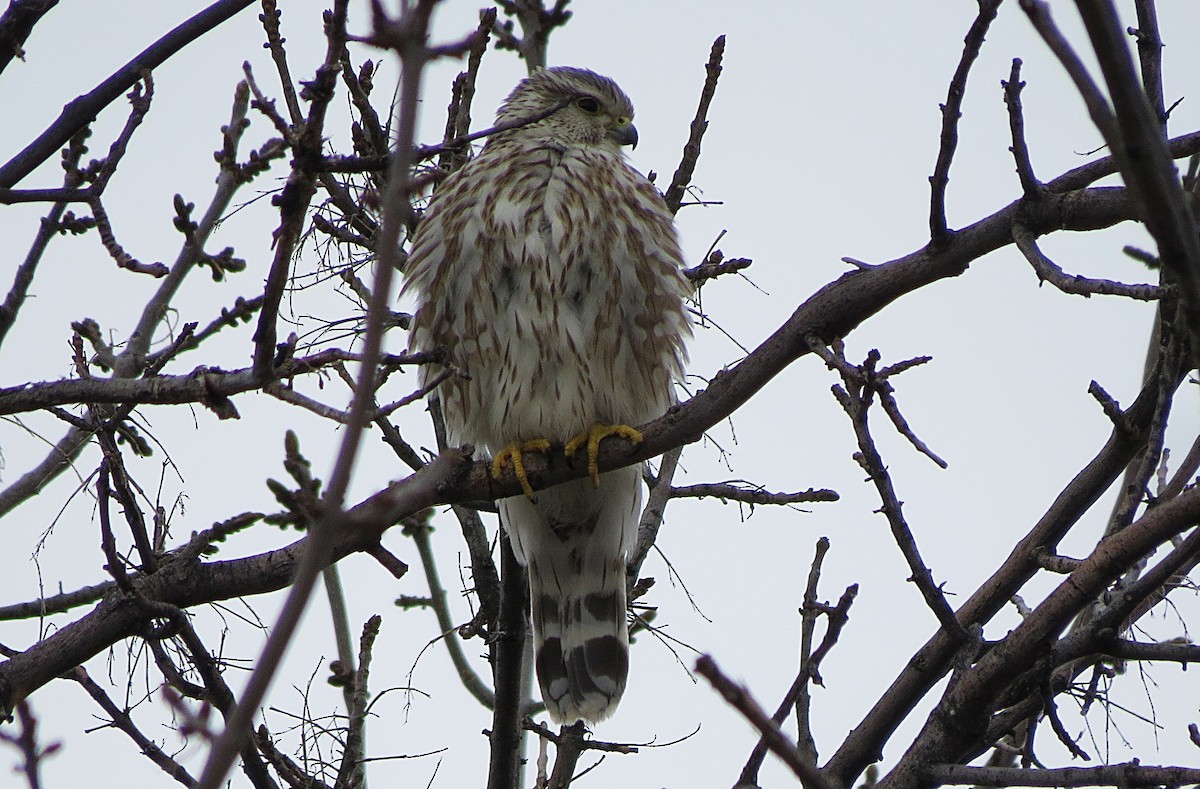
pixel 822 137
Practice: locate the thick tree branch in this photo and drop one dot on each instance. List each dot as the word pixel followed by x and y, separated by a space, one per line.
pixel 1130 774
pixel 955 722
pixel 209 387
pixel 930 663
pixel 508 672
pixel 1134 135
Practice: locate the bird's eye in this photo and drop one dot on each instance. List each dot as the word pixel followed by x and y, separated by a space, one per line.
pixel 588 104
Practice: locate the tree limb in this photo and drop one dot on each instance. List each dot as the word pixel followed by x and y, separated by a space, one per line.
pixel 82 110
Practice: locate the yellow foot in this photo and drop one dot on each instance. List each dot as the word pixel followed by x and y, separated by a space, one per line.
pixel 592 438
pixel 511 455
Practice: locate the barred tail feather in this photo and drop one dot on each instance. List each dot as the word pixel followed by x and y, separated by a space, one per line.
pixel 573 540
pixel 581 643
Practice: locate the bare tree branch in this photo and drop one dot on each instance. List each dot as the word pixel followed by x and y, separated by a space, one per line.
pixel 1049 271
pixel 82 110
pixel 1130 774
pixel 1134 135
pixel 951 112
pixel 691 149
pixel 1016 123
pixel 16 23
pixel 739 698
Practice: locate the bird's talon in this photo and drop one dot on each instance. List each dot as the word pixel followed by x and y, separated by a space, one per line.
pixel 511 455
pixel 592 438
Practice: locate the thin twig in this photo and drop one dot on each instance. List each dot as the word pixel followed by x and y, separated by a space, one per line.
pixel 26 743
pixel 1016 124
pixel 297 194
pixel 838 616
pixel 861 384
pixel 715 265
pixel 1179 147
pixel 157 307
pixel 339 618
pixel 218 693
pixel 120 719
pixel 691 149
pixel 81 111
pixel 350 773
pixel 350 164
pixel 114 248
pixel 739 698
pixel 652 514
pixel 458 120
pixel 1150 46
pixel 290 395
pixel 47 230
pixel 728 491
pixel 420 393
pixel 951 112
pixel 241 312
pixel 1060 731
pixel 114 465
pixel 270 22
pixel 801 699
pixel 537 23
pixel 797 695
pixel 543 731
pixel 55 604
pixel 205 386
pixel 1049 271
pixel 418 529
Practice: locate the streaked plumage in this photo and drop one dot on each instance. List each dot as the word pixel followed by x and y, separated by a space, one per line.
pixel 550 271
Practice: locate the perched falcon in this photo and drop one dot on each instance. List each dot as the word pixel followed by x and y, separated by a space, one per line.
pixel 549 269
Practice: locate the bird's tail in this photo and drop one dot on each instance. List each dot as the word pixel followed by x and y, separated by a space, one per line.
pixel 580 640
pixel 574 540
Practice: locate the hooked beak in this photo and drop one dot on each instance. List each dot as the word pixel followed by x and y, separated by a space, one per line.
pixel 626 134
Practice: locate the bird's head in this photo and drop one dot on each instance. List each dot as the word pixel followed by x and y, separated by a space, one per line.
pixel 584 109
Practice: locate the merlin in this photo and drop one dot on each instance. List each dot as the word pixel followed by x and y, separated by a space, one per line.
pixel 550 272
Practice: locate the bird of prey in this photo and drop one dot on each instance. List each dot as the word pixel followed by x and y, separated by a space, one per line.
pixel 549 270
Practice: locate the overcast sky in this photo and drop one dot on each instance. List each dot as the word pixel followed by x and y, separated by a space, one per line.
pixel 822 137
